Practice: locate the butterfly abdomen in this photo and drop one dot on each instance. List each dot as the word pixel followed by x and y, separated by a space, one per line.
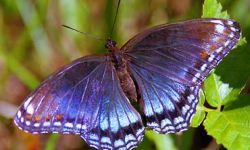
pixel 127 83
pixel 120 64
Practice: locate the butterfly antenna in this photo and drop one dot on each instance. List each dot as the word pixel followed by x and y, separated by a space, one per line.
pixel 84 33
pixel 113 26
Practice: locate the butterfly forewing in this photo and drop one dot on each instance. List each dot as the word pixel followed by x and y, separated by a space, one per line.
pixel 185 52
pixel 83 98
pixel 47 108
pixel 169 62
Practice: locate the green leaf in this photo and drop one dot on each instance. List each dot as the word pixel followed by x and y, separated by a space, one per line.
pixel 231 127
pixel 218 93
pixel 242 41
pixel 52 141
pixel 185 140
pixel 213 9
pixel 146 144
pixel 161 141
pixel 235 68
pixel 200 113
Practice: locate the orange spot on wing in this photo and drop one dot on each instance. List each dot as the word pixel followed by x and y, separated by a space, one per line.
pixel 48 117
pixel 59 117
pixel 226 32
pixel 37 118
pixel 204 54
pixel 212 48
pixel 221 40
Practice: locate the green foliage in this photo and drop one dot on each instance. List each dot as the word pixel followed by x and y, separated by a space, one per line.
pixel 161 141
pixel 52 141
pixel 15 66
pixel 235 68
pixel 218 93
pixel 200 112
pixel 229 126
pixel 213 9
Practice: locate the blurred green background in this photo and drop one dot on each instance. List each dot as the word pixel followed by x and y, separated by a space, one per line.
pixel 33 44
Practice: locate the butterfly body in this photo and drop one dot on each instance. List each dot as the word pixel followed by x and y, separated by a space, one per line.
pixel 162 68
pixel 120 64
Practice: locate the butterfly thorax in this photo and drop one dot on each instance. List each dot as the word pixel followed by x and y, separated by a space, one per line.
pixel 115 54
pixel 123 74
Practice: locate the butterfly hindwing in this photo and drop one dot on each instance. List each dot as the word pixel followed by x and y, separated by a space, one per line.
pixel 117 125
pixel 169 63
pixel 167 105
pixel 83 98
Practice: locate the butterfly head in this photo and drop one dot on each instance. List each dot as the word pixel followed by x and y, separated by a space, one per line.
pixel 111 45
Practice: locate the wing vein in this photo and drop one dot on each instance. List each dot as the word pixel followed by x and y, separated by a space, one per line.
pixel 82 104
pixel 94 70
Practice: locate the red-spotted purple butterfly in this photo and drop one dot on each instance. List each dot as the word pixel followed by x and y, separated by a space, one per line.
pixel 163 68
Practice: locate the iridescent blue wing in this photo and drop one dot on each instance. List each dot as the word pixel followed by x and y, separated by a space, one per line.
pixel 83 98
pixel 167 105
pixel 169 63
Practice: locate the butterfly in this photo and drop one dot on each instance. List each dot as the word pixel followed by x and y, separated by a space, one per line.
pixel 161 68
